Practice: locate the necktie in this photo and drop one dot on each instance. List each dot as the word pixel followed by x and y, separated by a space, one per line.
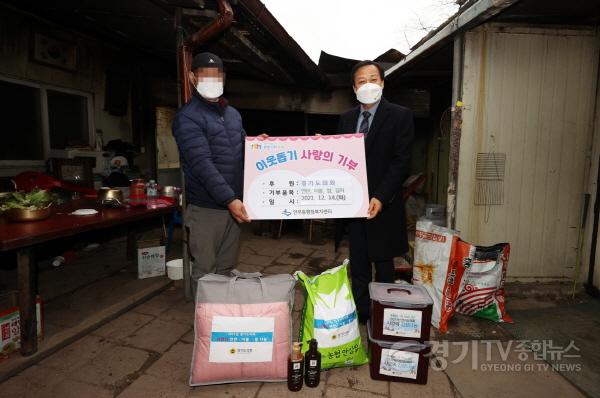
pixel 364 125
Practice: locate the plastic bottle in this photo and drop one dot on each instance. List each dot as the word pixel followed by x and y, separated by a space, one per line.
pixel 312 365
pixel 151 194
pixel 295 368
pixel 152 189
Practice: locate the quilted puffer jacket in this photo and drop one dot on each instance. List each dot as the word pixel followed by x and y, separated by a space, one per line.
pixel 211 140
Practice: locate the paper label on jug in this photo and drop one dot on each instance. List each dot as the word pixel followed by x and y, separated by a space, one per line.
pixel 241 339
pixel 403 323
pixel 399 363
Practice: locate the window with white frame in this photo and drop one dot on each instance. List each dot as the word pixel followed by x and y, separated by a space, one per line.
pixel 37 118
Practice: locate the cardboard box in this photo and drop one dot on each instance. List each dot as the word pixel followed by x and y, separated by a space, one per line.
pixel 10 326
pixel 150 258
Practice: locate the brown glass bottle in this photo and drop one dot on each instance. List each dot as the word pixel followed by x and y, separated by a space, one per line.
pixel 312 365
pixel 295 369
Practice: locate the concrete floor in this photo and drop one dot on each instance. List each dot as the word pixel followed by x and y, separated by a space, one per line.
pixel 81 295
pixel 146 351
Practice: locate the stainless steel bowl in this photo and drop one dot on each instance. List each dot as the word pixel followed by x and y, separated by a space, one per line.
pixel 110 196
pixel 171 192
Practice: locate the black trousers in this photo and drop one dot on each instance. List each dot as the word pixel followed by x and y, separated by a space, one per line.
pixel 360 267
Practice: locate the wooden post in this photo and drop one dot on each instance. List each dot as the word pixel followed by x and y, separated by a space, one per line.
pixel 455 131
pixel 131 248
pixel 184 62
pixel 28 316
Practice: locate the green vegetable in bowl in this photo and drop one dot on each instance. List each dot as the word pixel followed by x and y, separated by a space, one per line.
pixel 34 200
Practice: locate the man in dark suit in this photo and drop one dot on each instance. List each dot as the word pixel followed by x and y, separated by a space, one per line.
pixel 389 132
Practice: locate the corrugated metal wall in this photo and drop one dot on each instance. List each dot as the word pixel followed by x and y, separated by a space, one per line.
pixel 438 152
pixel 593 188
pixel 529 93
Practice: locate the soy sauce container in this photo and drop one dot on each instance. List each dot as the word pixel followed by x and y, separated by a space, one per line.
pixel 400 312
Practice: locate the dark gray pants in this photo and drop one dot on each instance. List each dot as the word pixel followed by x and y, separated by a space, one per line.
pixel 214 242
pixel 360 267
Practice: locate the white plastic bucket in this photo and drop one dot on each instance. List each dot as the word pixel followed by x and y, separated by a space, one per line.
pixel 175 269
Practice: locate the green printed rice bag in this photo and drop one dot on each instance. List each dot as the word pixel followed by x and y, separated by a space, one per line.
pixel 329 316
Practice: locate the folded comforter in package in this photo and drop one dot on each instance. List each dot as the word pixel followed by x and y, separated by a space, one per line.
pixel 242 328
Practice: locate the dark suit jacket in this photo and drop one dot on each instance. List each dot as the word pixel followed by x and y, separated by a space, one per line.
pixel 388 150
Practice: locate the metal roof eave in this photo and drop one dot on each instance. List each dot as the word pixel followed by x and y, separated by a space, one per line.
pixel 476 14
pixel 263 16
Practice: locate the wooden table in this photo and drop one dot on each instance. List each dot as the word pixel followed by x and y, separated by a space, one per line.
pixel 23 237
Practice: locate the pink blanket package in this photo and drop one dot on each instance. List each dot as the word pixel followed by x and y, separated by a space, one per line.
pixel 242 328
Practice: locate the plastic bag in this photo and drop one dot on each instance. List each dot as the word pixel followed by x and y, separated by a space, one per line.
pixel 329 316
pixel 483 293
pixel 441 260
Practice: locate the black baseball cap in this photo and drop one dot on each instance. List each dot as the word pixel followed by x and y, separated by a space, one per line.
pixel 206 60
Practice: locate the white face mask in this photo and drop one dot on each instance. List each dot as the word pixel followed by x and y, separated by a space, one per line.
pixel 369 93
pixel 210 88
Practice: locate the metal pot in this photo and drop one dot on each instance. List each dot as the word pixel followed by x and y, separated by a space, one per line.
pixel 110 196
pixel 24 215
pixel 171 192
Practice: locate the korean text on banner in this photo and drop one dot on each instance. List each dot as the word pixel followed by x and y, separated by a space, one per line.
pixel 306 177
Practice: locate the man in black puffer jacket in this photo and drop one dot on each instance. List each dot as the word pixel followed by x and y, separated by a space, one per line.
pixel 211 138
